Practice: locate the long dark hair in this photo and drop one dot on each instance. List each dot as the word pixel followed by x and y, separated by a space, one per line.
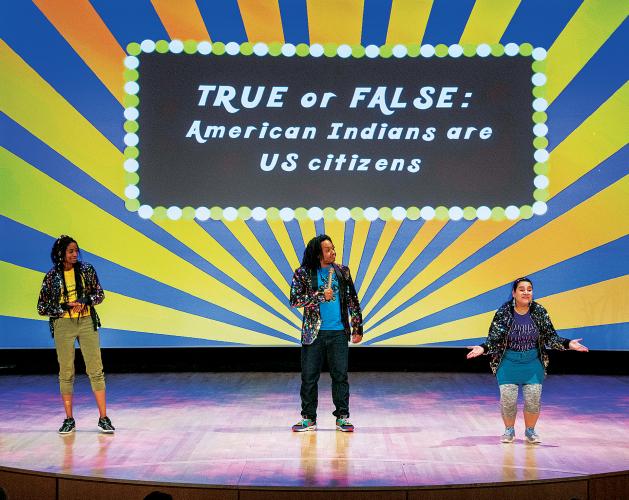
pixel 312 253
pixel 57 255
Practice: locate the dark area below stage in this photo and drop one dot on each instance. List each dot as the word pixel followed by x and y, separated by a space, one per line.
pixel 287 359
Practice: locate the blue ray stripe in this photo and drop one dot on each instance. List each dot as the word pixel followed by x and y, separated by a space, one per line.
pixel 35 40
pixel 608 172
pixel 294 232
pixel 21 333
pixel 447 21
pixel 267 239
pixel 605 73
pixel 229 242
pixel 294 21
pixel 131 21
pixel 347 243
pixel 223 20
pixel 33 254
pixel 29 148
pixel 376 14
pixel 373 236
pixel 539 22
pixel 450 232
pixel 319 227
pixel 402 239
pixel 614 337
pixel 594 266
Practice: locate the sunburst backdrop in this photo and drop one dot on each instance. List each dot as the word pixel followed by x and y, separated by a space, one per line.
pixel 216 282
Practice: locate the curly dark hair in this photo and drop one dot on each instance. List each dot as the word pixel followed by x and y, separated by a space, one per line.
pixel 57 255
pixel 312 253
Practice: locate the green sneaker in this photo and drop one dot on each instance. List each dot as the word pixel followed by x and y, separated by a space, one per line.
pixel 305 424
pixel 105 425
pixel 344 425
pixel 68 426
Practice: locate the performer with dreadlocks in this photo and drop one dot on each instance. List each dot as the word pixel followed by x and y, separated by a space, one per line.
pixel 69 292
pixel 331 317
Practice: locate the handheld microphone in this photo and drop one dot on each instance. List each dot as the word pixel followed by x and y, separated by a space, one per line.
pixel 330 273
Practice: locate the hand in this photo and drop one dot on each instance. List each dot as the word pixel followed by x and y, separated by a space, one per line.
pixel 575 345
pixel 356 338
pixel 76 307
pixel 328 293
pixel 476 350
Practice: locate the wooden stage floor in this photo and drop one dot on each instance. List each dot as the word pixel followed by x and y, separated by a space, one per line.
pixel 233 429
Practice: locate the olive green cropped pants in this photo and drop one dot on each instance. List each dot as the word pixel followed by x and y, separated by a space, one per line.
pixel 67 331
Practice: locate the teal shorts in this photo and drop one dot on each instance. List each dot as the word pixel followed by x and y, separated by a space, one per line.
pixel 520 368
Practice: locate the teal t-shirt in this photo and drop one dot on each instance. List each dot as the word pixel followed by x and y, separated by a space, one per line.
pixel 330 311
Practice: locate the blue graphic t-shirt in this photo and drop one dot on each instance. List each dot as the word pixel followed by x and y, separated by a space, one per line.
pixel 523 335
pixel 330 311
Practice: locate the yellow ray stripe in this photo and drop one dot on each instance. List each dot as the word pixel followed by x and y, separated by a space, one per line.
pixel 182 19
pixel 262 20
pixel 587 146
pixel 388 233
pixel 424 236
pixel 242 232
pixel 61 210
pixel 474 238
pixel 488 21
pixel 126 313
pixel 361 230
pixel 281 235
pixel 308 230
pixel 601 303
pixel 330 21
pixel 585 33
pixel 208 248
pixel 576 155
pixel 465 328
pixel 408 21
pixel 30 101
pixel 588 225
pixel 85 31
pixel 335 229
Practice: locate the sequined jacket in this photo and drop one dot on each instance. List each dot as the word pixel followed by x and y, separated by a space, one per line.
pixel 52 288
pixel 496 342
pixel 304 293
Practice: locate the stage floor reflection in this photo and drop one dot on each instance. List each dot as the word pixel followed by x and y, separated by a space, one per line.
pixel 412 429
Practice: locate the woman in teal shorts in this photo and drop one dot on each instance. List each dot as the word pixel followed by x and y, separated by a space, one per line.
pixel 519 335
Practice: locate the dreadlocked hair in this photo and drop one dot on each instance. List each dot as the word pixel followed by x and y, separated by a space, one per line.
pixel 312 253
pixel 57 255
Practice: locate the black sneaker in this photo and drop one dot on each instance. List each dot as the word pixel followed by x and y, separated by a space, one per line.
pixel 105 425
pixel 68 426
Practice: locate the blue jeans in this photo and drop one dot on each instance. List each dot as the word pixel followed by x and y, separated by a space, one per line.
pixel 331 344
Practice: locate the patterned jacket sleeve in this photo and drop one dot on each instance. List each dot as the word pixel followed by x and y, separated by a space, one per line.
pixel 301 292
pixel 94 292
pixel 550 337
pixel 493 344
pixel 355 313
pixel 48 301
